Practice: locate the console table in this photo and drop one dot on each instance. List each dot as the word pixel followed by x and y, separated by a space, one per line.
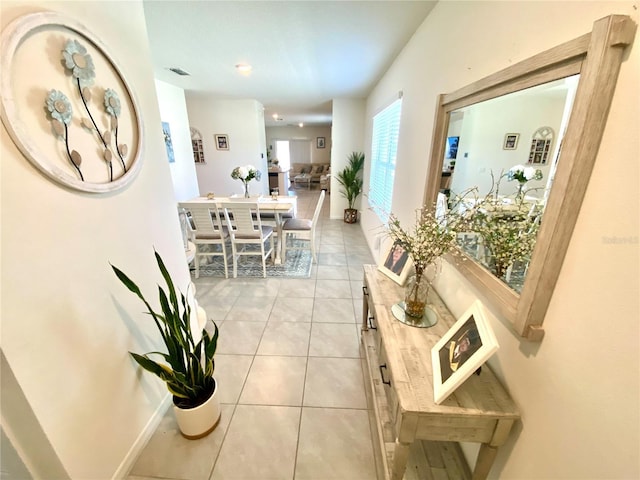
pixel 400 393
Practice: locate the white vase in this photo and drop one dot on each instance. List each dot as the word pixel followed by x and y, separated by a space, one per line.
pixel 200 421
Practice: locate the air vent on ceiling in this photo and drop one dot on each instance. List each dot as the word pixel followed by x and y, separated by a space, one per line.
pixel 179 71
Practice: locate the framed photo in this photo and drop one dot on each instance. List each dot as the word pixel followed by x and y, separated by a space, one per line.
pixel 320 142
pixel 461 351
pixel 511 141
pixel 168 143
pixel 452 147
pixel 396 263
pixel 222 142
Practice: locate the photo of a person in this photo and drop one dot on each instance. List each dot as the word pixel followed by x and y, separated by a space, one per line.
pixel 222 142
pixel 459 349
pixel 396 259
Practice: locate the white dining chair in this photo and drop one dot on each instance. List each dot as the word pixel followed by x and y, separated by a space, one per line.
pixel 206 229
pixel 246 229
pixel 301 229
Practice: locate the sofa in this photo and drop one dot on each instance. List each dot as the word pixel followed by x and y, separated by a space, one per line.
pixel 316 170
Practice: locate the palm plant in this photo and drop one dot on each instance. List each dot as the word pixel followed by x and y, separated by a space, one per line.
pixel 350 178
pixel 189 373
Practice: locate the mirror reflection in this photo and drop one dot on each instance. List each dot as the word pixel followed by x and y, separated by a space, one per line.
pixel 506 149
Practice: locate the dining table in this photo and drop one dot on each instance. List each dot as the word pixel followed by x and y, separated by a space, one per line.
pixel 273 207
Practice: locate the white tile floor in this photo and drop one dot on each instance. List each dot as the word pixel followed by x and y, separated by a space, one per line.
pixel 289 373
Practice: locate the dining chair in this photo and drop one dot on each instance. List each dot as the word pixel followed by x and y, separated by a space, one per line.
pixel 206 229
pixel 302 229
pixel 246 229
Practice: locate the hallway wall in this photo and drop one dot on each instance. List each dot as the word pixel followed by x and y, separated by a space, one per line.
pixel 67 323
pixel 578 390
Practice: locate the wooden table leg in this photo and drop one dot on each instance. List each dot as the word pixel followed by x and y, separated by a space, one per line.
pixel 400 458
pixel 279 244
pixel 486 456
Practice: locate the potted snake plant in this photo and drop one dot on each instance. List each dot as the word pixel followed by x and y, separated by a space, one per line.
pixel 188 364
pixel 351 180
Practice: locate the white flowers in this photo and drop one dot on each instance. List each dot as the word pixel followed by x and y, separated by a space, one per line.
pixel 246 173
pixel 523 174
pixel 431 236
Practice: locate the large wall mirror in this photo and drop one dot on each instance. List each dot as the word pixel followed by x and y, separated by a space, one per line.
pixel 546 113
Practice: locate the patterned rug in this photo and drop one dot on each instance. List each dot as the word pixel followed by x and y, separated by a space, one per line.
pixel 297 265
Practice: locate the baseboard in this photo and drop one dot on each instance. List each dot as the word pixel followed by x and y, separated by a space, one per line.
pixel 145 435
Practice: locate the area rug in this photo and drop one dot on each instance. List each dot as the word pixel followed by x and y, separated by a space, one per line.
pixel 297 265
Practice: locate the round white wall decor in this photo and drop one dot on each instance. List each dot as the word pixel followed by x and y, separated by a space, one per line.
pixel 67 106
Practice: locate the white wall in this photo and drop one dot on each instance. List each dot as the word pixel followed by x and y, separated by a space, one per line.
pixel 243 122
pixel 67 323
pixel 578 390
pixel 173 109
pixel 482 137
pixel 348 137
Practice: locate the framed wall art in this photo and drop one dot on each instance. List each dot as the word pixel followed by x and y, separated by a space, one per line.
pixel 222 142
pixel 196 145
pixel 461 351
pixel 452 147
pixel 67 104
pixel 511 141
pixel 396 264
pixel 320 142
pixel 168 143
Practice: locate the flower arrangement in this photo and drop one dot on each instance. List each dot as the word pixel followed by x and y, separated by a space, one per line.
pixel 508 230
pixel 245 175
pixel 433 234
pixel 509 236
pixel 523 174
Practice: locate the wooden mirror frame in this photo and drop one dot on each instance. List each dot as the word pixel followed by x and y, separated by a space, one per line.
pixel 596 56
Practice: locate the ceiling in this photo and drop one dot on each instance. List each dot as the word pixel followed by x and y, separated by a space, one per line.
pixel 303 53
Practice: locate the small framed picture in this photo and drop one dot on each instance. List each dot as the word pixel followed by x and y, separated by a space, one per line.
pixel 396 263
pixel 461 351
pixel 320 142
pixel 168 143
pixel 511 141
pixel 452 147
pixel 222 142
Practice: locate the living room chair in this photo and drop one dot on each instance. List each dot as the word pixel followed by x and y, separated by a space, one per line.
pixel 206 229
pixel 302 229
pixel 246 229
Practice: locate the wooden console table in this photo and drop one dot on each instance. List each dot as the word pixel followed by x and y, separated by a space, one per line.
pixel 400 391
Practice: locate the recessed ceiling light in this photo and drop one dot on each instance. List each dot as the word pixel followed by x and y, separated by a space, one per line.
pixel 243 68
pixel 301 124
pixel 275 116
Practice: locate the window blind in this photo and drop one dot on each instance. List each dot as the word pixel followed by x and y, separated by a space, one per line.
pixel 300 151
pixel 384 147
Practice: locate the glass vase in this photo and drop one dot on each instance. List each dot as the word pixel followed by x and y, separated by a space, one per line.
pixel 415 295
pixel 246 190
pixel 520 192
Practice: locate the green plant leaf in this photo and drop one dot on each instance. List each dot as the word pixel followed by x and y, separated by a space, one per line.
pixel 189 373
pixel 350 178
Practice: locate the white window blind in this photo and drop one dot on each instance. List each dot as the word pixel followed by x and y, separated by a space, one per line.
pixel 384 147
pixel 300 151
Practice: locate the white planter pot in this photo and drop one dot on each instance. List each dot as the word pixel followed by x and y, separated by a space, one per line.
pixel 199 422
